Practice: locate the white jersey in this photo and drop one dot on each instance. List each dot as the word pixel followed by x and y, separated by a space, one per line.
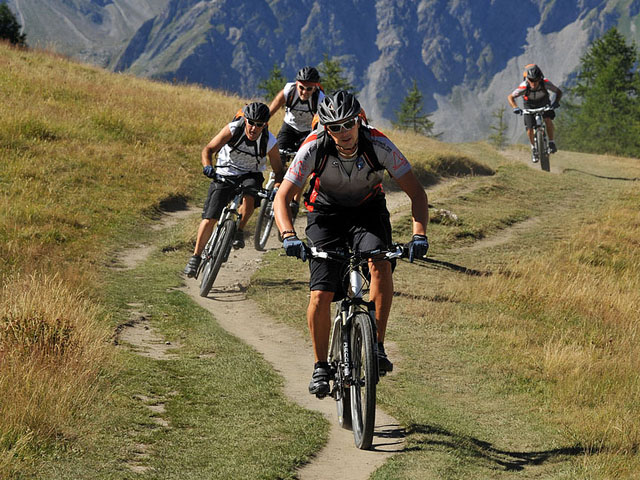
pixel 244 157
pixel 347 182
pixel 300 114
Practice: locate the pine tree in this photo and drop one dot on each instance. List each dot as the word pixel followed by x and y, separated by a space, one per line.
pixel 603 111
pixel 10 28
pixel 499 138
pixel 410 117
pixel 272 85
pixel 332 77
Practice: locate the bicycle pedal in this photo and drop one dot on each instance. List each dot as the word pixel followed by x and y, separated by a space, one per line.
pixel 320 396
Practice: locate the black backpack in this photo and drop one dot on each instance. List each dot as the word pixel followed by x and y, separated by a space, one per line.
pixel 238 136
pixel 326 147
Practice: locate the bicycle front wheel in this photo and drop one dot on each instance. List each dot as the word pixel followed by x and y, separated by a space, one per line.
pixel 364 380
pixel 219 255
pixel 263 225
pixel 543 151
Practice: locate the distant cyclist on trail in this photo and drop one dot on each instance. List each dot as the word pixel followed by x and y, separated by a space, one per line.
pixel 242 147
pixel 300 99
pixel 535 92
pixel 347 208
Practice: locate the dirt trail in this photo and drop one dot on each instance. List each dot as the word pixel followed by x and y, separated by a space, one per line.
pixel 291 355
pixel 285 348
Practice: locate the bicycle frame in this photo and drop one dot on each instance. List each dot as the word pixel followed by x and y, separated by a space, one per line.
pixel 540 138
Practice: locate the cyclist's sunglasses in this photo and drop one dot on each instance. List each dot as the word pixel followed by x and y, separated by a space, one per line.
pixel 253 123
pixel 305 89
pixel 348 125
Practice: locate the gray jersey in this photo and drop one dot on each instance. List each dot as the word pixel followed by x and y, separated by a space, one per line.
pixel 244 158
pixel 347 182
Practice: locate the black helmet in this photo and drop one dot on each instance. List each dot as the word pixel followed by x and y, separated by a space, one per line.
pixel 257 111
pixel 308 74
pixel 340 106
pixel 534 73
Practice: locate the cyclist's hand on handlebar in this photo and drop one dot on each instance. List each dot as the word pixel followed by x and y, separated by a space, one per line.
pixel 517 111
pixel 294 247
pixel 418 247
pixel 209 171
pixel 555 105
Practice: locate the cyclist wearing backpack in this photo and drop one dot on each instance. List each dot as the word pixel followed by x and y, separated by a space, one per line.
pixel 300 99
pixel 242 147
pixel 535 92
pixel 347 208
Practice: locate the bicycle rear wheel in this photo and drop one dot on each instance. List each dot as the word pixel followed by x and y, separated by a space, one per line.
pixel 263 225
pixel 543 150
pixel 219 255
pixel 364 379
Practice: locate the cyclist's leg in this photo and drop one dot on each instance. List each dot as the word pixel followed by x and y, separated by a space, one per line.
pixel 217 198
pixel 548 120
pixel 372 229
pixel 323 231
pixel 252 181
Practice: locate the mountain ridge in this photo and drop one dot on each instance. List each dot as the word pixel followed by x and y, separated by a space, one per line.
pixel 466 55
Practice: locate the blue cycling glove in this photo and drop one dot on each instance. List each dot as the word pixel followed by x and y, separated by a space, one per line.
pixel 418 247
pixel 517 111
pixel 294 247
pixel 209 171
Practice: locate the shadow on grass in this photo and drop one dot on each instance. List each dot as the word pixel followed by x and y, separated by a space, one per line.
pixel 636 179
pixel 443 265
pixel 473 448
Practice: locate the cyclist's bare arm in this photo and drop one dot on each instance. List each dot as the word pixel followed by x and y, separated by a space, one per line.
pixel 276 163
pixel 277 102
pixel 214 146
pixel 512 101
pixel 286 192
pixel 419 202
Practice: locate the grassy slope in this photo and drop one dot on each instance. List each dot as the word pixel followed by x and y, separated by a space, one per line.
pixel 530 371
pixel 87 158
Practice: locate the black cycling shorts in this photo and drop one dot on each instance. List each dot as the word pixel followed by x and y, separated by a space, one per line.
pixel 289 138
pixel 220 193
pixel 530 120
pixel 361 228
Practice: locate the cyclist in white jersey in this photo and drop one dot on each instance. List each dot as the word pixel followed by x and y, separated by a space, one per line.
pixel 242 147
pixel 347 209
pixel 300 100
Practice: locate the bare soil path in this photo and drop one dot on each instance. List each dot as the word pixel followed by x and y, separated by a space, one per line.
pixel 285 348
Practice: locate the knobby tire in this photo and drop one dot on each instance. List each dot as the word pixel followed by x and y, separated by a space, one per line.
pixel 343 394
pixel 364 379
pixel 543 151
pixel 263 225
pixel 220 253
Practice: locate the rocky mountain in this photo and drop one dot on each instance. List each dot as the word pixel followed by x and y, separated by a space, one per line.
pixel 466 55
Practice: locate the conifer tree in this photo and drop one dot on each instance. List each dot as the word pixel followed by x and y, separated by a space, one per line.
pixel 332 76
pixel 410 116
pixel 10 28
pixel 499 138
pixel 602 113
pixel 272 85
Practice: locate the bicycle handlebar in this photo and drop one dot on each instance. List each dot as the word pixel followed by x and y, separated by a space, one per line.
pixel 396 251
pixel 533 111
pixel 261 192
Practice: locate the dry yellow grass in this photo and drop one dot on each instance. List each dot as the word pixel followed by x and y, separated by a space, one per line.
pixel 572 322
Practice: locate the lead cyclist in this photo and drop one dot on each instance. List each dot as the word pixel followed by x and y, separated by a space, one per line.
pixel 347 209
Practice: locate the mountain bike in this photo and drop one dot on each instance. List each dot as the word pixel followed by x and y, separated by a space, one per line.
pixel 540 139
pixel 266 217
pixel 353 346
pixel 218 248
